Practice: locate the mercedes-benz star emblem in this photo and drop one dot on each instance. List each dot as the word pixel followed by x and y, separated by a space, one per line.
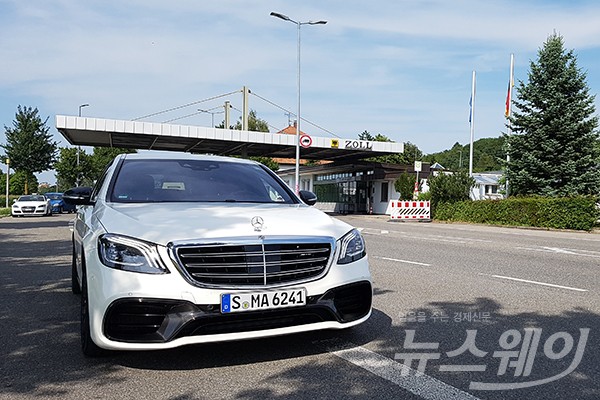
pixel 257 223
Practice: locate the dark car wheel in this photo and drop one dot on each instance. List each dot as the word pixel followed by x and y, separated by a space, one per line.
pixel 88 347
pixel 75 286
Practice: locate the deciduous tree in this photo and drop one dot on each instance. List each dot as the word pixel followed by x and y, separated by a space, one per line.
pixel 29 144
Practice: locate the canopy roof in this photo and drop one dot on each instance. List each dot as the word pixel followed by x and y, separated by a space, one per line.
pixel 85 131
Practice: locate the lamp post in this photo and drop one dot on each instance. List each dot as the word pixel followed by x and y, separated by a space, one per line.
pixel 7 179
pixel 81 106
pixel 298 24
pixel 78 148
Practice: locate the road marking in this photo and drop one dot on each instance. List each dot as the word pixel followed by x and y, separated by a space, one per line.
pixel 403 261
pixel 536 282
pixel 399 374
pixel 434 238
pixel 558 250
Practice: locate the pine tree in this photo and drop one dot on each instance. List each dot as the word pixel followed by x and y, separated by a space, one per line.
pixel 29 144
pixel 554 149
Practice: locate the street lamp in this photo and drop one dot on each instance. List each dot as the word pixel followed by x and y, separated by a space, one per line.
pixel 79 148
pixel 298 24
pixel 81 106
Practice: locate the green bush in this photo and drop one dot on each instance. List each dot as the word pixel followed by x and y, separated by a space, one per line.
pixel 579 213
pixel 10 200
pixel 4 212
pixel 450 188
pixel 405 185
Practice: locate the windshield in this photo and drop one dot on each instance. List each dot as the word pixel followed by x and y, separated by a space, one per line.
pixel 54 196
pixel 32 198
pixel 196 181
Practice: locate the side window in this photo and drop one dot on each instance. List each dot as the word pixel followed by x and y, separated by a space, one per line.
pixel 99 183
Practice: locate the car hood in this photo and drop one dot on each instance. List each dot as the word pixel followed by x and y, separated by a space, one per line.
pixel 162 223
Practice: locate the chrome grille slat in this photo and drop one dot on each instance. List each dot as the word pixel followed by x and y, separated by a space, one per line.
pixel 254 263
pixel 255 275
pixel 253 254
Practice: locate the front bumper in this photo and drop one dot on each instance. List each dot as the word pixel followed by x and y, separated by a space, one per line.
pixel 133 311
pixel 161 321
pixel 29 212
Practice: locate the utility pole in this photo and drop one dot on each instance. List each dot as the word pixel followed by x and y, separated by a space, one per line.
pixel 227 108
pixel 245 112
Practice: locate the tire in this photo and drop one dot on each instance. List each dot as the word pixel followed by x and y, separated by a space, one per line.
pixel 88 347
pixel 75 286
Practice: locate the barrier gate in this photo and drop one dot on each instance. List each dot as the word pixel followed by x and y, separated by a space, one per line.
pixel 417 210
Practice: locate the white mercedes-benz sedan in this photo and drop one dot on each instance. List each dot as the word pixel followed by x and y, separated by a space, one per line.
pixel 171 249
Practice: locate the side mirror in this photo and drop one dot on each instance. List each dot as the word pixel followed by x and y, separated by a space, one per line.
pixel 308 197
pixel 78 196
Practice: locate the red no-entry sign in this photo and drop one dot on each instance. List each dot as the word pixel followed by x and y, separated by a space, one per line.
pixel 305 141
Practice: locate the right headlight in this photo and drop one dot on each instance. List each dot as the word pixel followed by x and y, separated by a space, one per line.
pixel 352 247
pixel 129 254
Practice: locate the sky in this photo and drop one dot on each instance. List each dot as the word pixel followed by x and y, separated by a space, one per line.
pixel 401 68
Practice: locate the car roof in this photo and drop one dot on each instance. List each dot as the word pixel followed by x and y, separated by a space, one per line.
pixel 165 155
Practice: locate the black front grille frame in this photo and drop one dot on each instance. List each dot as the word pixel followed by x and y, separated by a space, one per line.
pixel 254 262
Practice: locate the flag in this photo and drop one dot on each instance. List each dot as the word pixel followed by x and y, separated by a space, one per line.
pixel 508 95
pixel 511 84
pixel 470 108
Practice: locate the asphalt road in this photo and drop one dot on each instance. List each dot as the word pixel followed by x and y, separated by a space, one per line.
pixel 489 307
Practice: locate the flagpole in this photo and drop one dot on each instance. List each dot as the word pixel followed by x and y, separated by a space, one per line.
pixel 508 111
pixel 472 125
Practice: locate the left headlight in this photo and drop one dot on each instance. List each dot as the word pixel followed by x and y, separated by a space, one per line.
pixel 352 247
pixel 129 254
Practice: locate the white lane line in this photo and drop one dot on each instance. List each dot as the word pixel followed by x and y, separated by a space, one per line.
pixel 403 261
pixel 536 282
pixel 558 250
pixel 407 378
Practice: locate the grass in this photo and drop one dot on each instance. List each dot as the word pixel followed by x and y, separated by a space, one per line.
pixel 4 212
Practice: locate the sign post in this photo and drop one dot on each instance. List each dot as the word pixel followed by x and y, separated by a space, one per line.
pixel 7 179
pixel 418 167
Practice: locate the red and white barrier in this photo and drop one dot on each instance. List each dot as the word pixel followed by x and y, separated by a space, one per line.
pixel 418 210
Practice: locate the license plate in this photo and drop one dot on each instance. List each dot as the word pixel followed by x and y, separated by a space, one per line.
pixel 253 301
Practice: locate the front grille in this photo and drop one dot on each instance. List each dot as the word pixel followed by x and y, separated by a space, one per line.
pixel 258 263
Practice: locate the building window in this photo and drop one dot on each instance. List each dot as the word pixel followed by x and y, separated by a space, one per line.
pixel 384 191
pixel 491 189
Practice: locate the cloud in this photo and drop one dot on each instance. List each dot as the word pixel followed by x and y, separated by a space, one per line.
pixel 401 68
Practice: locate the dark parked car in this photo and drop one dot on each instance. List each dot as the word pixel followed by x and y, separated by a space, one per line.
pixel 58 204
